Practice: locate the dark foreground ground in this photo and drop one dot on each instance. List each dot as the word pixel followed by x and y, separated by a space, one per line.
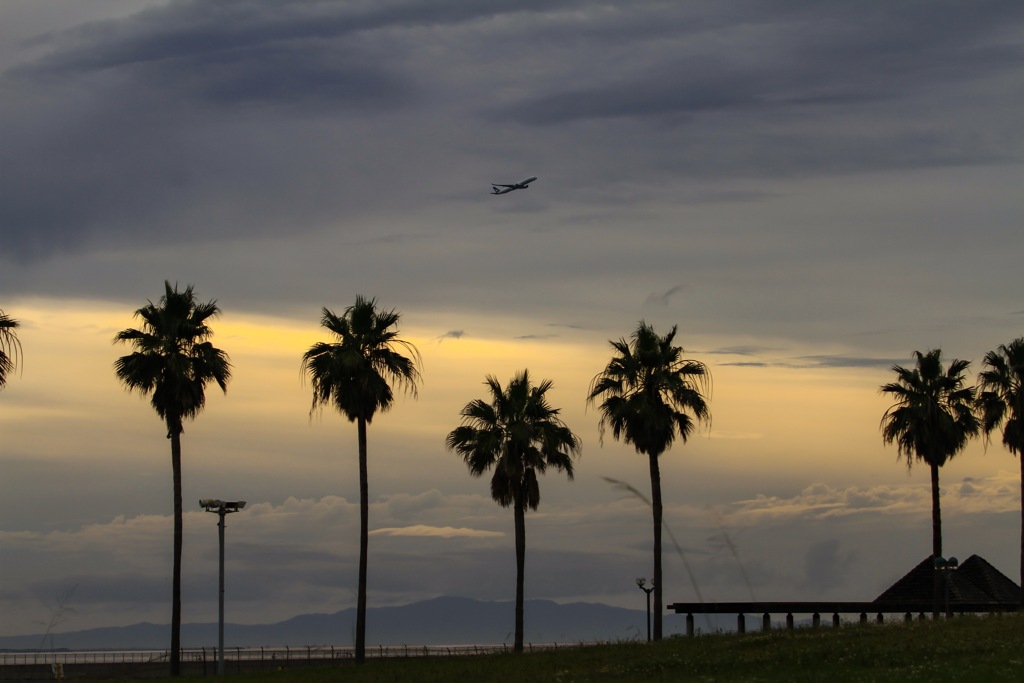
pixel 960 649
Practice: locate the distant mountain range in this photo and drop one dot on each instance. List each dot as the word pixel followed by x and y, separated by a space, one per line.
pixel 441 621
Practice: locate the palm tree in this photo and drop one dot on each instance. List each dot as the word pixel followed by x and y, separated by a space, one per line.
pixel 650 395
pixel 931 420
pixel 1000 401
pixel 519 435
pixel 173 362
pixel 352 373
pixel 10 347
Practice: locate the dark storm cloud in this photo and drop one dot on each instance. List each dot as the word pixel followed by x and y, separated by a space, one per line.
pixel 817 361
pixel 795 90
pixel 813 54
pixel 196 122
pixel 149 129
pixel 211 120
pixel 747 350
pixel 238 53
pixel 825 361
pixel 662 298
pixel 451 334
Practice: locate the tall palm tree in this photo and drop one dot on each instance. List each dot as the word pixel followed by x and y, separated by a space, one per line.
pixel 352 374
pixel 932 419
pixel 173 362
pixel 10 347
pixel 518 434
pixel 1000 401
pixel 650 395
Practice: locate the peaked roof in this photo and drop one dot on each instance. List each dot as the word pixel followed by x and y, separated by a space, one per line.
pixel 974 582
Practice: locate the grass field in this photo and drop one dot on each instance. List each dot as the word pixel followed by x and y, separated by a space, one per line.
pixel 961 649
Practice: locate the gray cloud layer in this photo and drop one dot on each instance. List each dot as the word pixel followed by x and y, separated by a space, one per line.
pixel 196 120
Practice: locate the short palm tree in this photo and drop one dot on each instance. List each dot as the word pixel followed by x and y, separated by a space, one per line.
pixel 932 419
pixel 172 363
pixel 649 395
pixel 1000 401
pixel 10 347
pixel 516 433
pixel 352 373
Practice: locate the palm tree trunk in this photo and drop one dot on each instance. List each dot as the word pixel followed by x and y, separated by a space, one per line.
pixel 936 514
pixel 175 433
pixel 936 541
pixel 1020 456
pixel 364 536
pixel 656 508
pixel 520 515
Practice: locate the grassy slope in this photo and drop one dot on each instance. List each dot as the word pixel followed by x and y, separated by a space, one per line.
pixel 962 649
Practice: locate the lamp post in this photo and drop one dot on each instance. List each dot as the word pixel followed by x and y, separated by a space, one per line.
pixel 640 581
pixel 944 567
pixel 221 508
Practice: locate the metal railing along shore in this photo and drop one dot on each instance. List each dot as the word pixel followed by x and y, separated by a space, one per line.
pixel 256 654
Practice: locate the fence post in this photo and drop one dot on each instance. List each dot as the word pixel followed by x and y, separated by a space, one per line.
pixel 816 620
pixel 766 622
pixel 689 624
pixel 835 620
pixel 741 623
pixel 789 621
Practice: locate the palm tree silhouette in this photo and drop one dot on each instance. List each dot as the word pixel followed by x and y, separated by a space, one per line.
pixel 931 420
pixel 173 362
pixel 518 434
pixel 10 347
pixel 649 394
pixel 352 374
pixel 1000 401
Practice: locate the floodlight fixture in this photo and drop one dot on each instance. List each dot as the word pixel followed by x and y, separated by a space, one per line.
pixel 641 583
pixel 216 505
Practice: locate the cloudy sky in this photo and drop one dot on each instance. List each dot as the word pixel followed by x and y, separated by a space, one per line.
pixel 809 190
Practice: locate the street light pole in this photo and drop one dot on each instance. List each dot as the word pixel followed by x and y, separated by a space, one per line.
pixel 640 581
pixel 221 508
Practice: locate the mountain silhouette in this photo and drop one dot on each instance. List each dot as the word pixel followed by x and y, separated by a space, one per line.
pixel 439 621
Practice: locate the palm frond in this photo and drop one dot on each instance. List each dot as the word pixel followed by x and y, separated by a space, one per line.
pixel 516 433
pixel 10 347
pixel 933 415
pixel 355 371
pixel 648 394
pixel 173 360
pixel 1000 394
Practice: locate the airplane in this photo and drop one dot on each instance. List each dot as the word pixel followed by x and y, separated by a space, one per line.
pixel 498 188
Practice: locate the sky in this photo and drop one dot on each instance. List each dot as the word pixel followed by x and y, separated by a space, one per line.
pixel 810 191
